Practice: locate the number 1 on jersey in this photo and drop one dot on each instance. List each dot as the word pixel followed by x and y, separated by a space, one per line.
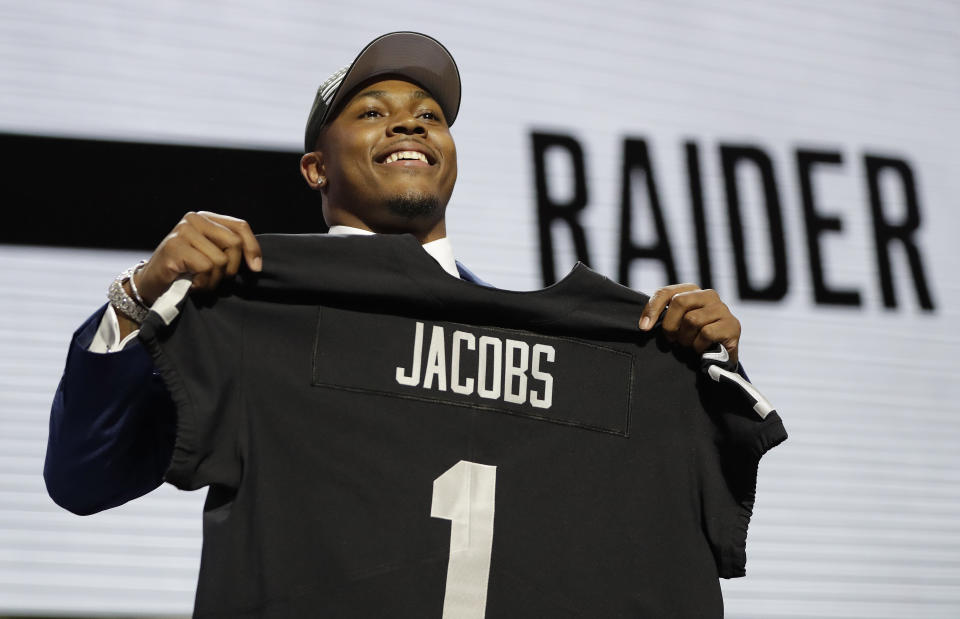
pixel 465 495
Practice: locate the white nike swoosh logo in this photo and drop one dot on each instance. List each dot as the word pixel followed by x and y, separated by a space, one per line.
pixel 721 357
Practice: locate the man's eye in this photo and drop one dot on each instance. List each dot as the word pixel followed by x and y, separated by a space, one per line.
pixel 430 115
pixel 370 114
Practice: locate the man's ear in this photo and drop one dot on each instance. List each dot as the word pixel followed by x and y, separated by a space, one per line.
pixel 313 170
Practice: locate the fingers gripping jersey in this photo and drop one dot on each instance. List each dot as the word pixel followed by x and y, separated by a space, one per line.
pixel 381 439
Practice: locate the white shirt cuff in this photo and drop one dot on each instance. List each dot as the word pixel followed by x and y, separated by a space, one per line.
pixel 107 338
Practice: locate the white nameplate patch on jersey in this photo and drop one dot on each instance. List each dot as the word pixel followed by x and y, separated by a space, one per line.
pixel 560 380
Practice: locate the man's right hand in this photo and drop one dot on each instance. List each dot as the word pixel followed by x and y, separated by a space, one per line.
pixel 206 245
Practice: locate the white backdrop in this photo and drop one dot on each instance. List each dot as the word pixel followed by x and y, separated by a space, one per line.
pixel 857 515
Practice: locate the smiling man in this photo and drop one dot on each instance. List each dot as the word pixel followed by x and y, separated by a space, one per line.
pixel 380 152
pixel 391 165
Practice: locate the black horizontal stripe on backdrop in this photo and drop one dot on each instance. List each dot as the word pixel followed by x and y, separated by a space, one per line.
pixel 71 192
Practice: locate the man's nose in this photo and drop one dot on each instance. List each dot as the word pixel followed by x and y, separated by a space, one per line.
pixel 408 126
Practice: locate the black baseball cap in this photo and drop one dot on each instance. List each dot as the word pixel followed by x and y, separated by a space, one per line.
pixel 413 55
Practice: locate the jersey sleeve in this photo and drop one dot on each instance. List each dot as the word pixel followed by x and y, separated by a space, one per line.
pixel 746 426
pixel 198 355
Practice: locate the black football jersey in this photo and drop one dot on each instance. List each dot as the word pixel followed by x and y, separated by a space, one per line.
pixel 381 439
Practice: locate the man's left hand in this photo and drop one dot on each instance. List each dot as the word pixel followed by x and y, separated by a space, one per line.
pixel 694 318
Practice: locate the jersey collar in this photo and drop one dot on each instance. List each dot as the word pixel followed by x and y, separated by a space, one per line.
pixel 440 250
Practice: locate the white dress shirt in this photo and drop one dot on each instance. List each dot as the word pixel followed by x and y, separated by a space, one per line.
pixel 107 338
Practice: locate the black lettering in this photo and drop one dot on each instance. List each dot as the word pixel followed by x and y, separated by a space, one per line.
pixel 884 231
pixel 817 224
pixel 731 157
pixel 549 211
pixel 699 216
pixel 637 158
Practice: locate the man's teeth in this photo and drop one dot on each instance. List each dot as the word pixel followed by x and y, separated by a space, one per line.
pixel 406 154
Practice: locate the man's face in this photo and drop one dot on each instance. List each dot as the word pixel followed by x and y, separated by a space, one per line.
pixel 389 160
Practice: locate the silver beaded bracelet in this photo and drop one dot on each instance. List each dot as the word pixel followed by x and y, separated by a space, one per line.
pixel 133 308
